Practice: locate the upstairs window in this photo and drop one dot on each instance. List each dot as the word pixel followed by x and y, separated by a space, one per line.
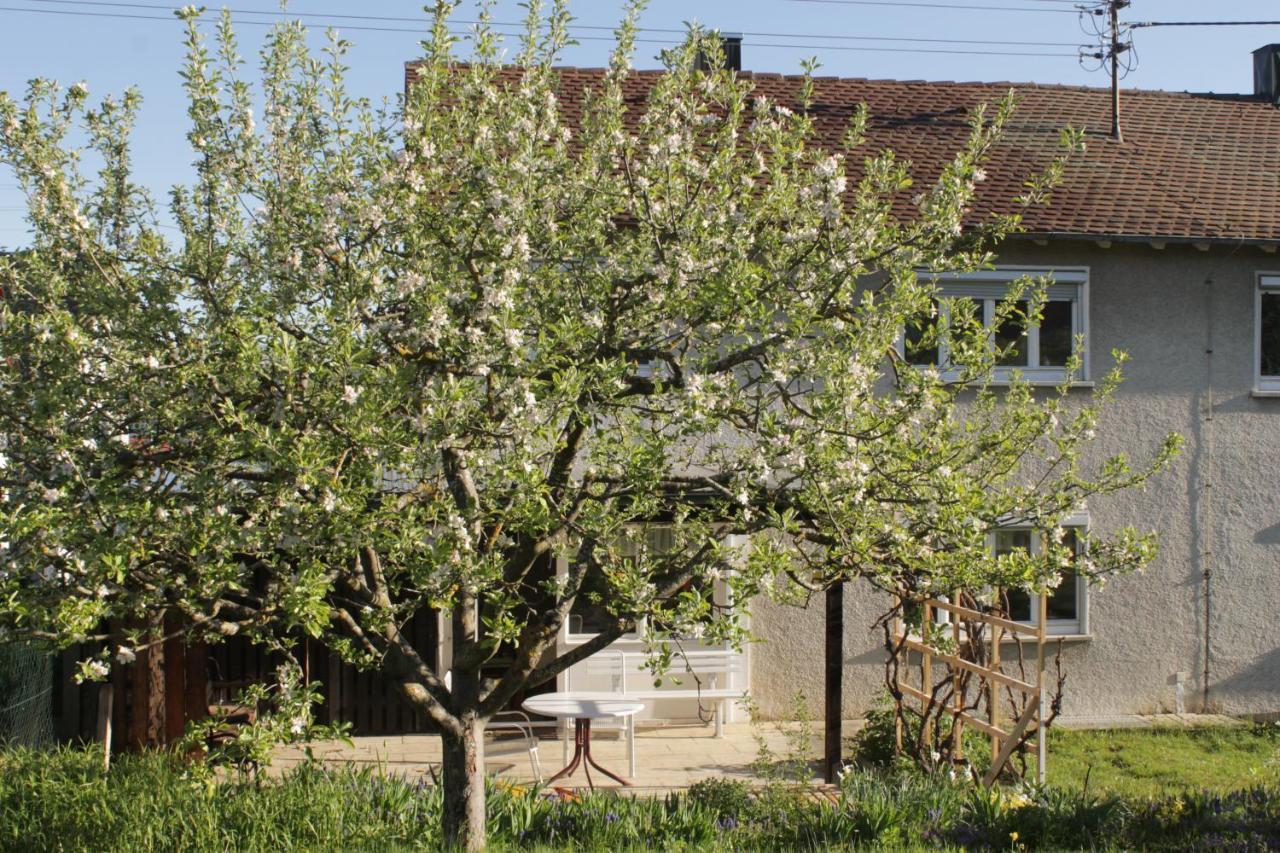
pixel 1039 352
pixel 1267 334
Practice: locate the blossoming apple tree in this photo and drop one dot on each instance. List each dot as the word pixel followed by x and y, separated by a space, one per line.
pixel 402 358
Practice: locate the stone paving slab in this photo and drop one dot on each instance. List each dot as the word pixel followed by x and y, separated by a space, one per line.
pixel 668 757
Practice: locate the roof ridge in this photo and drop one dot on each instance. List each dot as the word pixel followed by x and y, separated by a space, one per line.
pixel 1014 84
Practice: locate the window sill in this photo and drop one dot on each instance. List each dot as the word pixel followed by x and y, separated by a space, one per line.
pixel 1265 393
pixel 1002 378
pixel 1044 383
pixel 1049 639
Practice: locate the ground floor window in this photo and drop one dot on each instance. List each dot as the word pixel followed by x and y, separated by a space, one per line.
pixel 591 614
pixel 1066 606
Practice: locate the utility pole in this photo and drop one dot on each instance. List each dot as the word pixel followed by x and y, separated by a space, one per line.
pixel 1113 10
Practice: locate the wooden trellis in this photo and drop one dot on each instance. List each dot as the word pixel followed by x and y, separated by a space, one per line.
pixel 991 679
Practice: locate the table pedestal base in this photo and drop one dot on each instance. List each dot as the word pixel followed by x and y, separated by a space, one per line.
pixel 582 756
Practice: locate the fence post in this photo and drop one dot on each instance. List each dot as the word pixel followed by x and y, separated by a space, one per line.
pixel 105 702
pixel 957 723
pixel 1040 742
pixel 926 674
pixel 898 629
pixel 994 687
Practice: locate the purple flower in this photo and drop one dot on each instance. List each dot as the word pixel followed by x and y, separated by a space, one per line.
pixel 610 818
pixel 727 822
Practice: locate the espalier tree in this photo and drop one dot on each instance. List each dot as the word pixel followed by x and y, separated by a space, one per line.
pixel 403 358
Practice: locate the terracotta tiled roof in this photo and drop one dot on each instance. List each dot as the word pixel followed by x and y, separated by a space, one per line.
pixel 1194 167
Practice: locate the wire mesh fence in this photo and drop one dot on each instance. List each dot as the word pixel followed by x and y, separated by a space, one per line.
pixel 26 695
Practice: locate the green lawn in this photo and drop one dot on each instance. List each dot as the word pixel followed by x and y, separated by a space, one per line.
pixel 1151 762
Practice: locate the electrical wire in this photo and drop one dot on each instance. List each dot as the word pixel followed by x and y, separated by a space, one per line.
pixel 937 6
pixel 326 16
pixel 1137 24
pixel 665 42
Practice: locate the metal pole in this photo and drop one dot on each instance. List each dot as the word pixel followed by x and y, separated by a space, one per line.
pixel 1113 9
pixel 834 682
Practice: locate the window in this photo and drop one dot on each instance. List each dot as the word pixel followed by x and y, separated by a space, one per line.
pixel 1038 351
pixel 1065 607
pixel 590 612
pixel 1267 333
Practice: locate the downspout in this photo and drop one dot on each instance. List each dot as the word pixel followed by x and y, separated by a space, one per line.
pixel 1206 486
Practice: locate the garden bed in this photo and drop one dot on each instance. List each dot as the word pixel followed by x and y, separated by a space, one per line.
pixel 63 801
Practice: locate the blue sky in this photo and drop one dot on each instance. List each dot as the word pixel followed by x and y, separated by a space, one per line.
pixel 110 53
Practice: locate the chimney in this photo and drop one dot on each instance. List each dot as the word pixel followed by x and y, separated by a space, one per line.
pixel 731 44
pixel 1266 73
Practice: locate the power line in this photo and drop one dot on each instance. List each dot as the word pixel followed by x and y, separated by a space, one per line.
pixel 327 16
pixel 939 6
pixel 1137 24
pixel 665 42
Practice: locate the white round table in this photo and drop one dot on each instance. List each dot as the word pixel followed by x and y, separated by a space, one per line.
pixel 582 708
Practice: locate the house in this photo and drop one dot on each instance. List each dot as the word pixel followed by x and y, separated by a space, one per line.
pixel 1162 244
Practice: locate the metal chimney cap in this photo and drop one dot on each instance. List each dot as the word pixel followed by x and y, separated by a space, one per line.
pixel 1266 73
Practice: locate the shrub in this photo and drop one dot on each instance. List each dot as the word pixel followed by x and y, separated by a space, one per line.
pixel 729 799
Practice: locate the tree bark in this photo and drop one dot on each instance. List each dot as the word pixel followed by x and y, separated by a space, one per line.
pixel 463 781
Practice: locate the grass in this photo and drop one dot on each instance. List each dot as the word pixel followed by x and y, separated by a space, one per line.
pixel 63 801
pixel 1165 761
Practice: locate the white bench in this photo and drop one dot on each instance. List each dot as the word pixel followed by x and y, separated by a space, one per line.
pixel 713 675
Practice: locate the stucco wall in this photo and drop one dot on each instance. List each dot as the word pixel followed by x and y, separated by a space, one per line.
pixel 1217 509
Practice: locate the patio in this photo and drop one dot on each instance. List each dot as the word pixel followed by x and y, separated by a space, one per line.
pixel 666 757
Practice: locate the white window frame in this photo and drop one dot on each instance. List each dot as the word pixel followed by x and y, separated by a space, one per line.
pixel 1078 627
pixel 721 595
pixel 991 286
pixel 1266 282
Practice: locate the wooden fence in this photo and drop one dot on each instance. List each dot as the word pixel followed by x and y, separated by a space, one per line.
pixel 154 698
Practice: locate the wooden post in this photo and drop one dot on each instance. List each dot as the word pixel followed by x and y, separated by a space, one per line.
pixel 994 696
pixel 105 703
pixel 834 682
pixel 926 673
pixel 898 630
pixel 957 724
pixel 1040 742
pixel 195 705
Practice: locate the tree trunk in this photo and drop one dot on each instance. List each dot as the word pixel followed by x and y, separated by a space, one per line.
pixel 463 780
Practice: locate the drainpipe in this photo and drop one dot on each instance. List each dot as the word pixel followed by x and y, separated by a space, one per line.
pixel 1206 497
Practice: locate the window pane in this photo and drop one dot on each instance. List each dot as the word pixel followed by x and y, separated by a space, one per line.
pixel 1017 602
pixel 1056 337
pixel 918 351
pixel 1270 343
pixel 590 613
pixel 1012 333
pixel 1008 541
pixel 965 324
pixel 1062 601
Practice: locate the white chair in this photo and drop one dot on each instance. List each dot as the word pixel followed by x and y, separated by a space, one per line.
pixel 518 721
